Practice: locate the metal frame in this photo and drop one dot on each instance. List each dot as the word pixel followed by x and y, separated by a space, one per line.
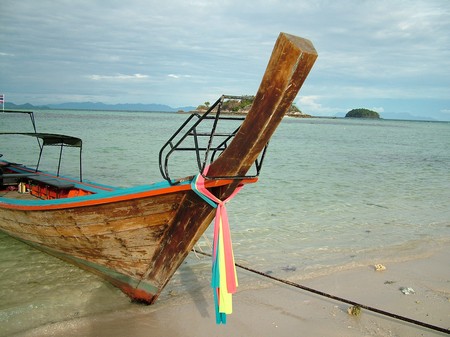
pixel 206 154
pixel 61 141
pixel 33 121
pixel 49 139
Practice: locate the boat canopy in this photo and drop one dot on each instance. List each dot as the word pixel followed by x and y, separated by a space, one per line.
pixel 17 111
pixel 53 139
pixel 29 113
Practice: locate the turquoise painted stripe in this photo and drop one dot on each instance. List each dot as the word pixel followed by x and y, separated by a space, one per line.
pixel 200 194
pixel 98 196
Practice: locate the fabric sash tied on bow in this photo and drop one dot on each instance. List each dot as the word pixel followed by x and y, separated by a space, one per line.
pixel 224 278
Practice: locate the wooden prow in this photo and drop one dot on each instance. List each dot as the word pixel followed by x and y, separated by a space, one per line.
pixel 292 59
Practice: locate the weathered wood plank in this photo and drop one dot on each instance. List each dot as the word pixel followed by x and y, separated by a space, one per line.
pixel 125 242
pixel 291 61
pixel 147 238
pixel 289 65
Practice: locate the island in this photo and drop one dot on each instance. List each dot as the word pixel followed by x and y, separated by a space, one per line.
pixel 362 113
pixel 242 107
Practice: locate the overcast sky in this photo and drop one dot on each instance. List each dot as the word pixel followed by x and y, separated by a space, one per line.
pixel 391 56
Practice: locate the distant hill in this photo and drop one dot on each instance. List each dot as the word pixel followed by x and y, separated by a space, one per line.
pixel 362 113
pixel 26 106
pixel 100 106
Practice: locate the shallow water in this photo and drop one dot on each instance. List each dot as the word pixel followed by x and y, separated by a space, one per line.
pixel 333 194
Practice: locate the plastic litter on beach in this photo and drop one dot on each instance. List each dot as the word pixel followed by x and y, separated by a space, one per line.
pixel 379 267
pixel 407 290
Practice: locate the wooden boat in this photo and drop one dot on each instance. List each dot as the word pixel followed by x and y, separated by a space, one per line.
pixel 137 237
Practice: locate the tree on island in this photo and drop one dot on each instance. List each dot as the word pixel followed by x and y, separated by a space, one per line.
pixel 243 105
pixel 362 113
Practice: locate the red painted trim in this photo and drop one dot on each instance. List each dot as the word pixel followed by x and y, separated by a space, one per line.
pixel 106 199
pixel 136 294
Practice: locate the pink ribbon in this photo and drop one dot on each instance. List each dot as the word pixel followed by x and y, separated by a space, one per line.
pixel 223 257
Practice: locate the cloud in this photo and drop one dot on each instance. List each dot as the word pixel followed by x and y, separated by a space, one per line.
pixel 312 105
pixel 175 76
pixel 368 50
pixel 119 77
pixel 310 102
pixel 378 109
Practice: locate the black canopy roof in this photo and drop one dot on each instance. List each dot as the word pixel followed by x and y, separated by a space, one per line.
pixel 51 138
pixel 17 111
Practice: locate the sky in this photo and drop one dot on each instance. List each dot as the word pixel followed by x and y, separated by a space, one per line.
pixel 391 56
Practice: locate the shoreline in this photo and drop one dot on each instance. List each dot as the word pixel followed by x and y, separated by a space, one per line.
pixel 276 309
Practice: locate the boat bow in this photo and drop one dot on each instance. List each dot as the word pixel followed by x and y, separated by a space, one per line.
pixel 137 238
pixel 291 61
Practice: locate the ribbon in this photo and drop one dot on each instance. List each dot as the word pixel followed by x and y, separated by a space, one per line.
pixel 224 278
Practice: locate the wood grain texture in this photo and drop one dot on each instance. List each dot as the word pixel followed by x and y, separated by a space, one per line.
pixel 138 240
pixel 289 65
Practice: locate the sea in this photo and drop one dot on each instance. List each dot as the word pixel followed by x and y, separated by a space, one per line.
pixel 333 194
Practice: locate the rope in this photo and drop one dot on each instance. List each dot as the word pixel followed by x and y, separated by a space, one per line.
pixel 340 299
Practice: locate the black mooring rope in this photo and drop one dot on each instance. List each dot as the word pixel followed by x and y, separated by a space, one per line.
pixel 340 299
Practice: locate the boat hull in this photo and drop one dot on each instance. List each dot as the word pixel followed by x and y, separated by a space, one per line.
pixel 137 238
pixel 120 236
pixel 121 240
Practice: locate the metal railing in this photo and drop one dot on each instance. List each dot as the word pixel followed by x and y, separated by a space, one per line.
pixel 205 136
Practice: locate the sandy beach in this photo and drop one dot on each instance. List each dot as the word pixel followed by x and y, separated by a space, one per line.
pixel 276 309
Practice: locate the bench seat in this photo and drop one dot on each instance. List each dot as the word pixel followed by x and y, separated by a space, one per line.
pixel 54 182
pixel 13 178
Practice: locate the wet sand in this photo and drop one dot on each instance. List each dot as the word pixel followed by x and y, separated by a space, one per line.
pixel 281 310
